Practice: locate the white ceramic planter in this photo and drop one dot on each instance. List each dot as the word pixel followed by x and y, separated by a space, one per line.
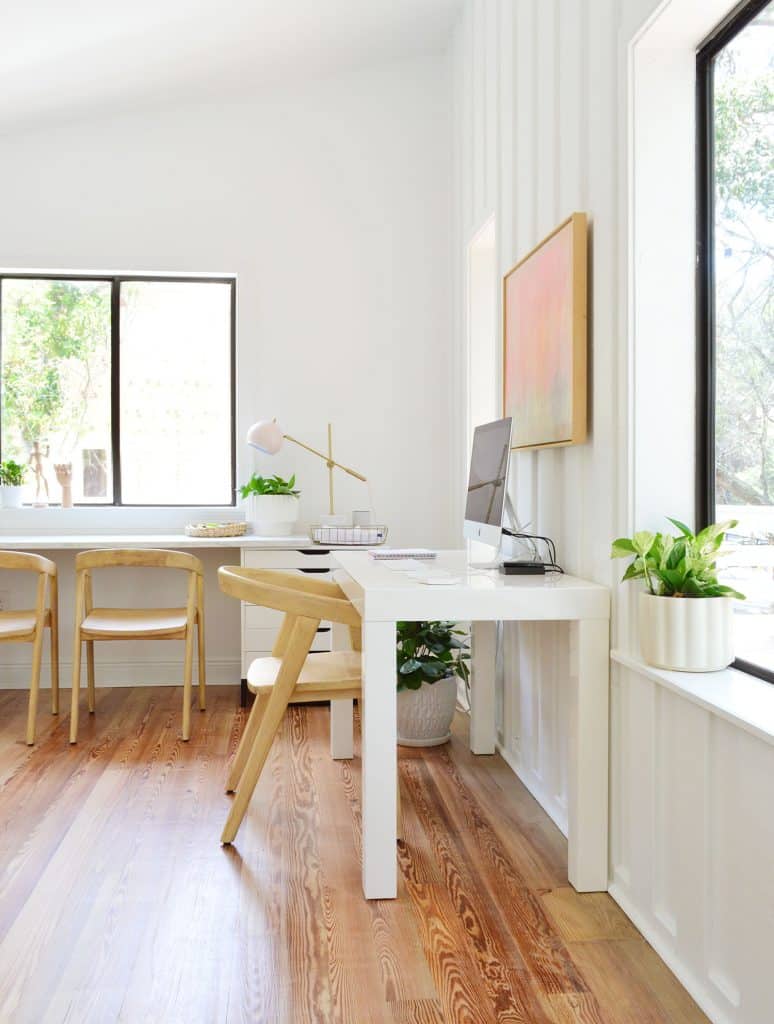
pixel 272 515
pixel 688 634
pixel 425 715
pixel 11 496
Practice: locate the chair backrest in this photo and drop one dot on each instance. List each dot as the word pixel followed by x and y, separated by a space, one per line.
pixel 152 558
pixel 25 561
pixel 285 592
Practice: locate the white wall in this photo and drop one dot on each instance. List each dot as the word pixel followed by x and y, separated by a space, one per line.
pixel 543 125
pixel 537 134
pixel 331 204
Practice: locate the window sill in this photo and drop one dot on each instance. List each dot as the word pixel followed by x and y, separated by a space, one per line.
pixel 739 698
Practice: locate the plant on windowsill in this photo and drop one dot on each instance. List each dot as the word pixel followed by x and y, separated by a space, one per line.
pixel 685 613
pixel 12 478
pixel 272 504
pixel 431 656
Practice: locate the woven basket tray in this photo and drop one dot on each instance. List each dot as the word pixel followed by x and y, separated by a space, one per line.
pixel 216 529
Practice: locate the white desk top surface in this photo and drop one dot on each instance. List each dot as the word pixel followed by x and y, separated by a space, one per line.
pixel 380 591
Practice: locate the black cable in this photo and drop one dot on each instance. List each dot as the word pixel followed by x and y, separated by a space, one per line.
pixel 536 536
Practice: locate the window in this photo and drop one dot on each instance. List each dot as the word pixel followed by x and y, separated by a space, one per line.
pixel 129 380
pixel 736 314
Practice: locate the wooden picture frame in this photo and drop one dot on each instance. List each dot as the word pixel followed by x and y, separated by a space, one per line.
pixel 545 340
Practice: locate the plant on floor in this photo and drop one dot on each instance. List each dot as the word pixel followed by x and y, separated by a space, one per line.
pixel 429 651
pixel 683 565
pixel 12 473
pixel 269 485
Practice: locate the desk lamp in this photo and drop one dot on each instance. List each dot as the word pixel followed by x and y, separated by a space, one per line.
pixel 267 436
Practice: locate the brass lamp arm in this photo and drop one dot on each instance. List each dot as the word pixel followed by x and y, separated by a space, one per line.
pixel 328 461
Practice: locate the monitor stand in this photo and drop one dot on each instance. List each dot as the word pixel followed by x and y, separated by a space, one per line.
pixel 509 513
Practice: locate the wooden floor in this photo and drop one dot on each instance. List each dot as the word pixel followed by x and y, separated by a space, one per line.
pixel 117 902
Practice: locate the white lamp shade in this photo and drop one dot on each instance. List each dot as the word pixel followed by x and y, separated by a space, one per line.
pixel 266 436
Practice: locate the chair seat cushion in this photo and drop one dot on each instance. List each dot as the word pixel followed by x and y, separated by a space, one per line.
pixel 122 623
pixel 329 671
pixel 18 625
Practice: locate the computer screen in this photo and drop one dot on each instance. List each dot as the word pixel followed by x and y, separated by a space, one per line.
pixel 488 479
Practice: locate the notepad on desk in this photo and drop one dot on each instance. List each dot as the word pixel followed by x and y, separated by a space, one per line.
pixel 383 554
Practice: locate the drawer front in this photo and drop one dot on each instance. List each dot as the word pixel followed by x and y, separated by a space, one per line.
pixel 263 640
pixel 321 643
pixel 308 559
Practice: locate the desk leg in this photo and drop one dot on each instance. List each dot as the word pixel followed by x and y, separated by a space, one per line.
pixel 483 730
pixel 342 724
pixel 587 817
pixel 380 761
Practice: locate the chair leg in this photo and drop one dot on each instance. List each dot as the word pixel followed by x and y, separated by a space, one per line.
pixel 90 675
pixel 246 742
pixel 76 687
pixel 37 652
pixel 399 822
pixel 298 647
pixel 267 730
pixel 200 644
pixel 54 639
pixel 187 674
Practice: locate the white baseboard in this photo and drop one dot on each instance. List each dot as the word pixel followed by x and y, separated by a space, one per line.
pixel 693 985
pixel 547 801
pixel 220 671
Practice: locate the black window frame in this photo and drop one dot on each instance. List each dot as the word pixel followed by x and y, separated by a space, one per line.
pixel 737 20
pixel 115 281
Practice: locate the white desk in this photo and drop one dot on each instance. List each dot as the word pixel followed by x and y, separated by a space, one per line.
pixel 384 596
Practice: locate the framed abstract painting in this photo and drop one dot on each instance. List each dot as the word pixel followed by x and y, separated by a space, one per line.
pixel 545 340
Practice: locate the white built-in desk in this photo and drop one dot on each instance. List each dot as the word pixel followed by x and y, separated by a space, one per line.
pixel 86 541
pixel 295 553
pixel 384 596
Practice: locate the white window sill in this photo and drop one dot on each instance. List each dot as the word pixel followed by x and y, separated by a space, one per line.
pixel 738 697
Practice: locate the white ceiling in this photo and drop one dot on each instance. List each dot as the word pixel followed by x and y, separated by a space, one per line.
pixel 67 56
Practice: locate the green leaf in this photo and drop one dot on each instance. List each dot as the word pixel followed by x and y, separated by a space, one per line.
pixel 643 542
pixel 633 572
pixel 622 548
pixel 410 666
pixel 681 527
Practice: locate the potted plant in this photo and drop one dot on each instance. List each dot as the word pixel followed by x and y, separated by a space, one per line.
pixel 684 612
pixel 431 656
pixel 12 478
pixel 272 504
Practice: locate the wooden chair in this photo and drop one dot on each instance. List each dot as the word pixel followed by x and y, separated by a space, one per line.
pixel 28 626
pixel 137 623
pixel 290 675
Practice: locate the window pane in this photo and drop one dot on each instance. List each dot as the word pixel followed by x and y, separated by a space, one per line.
pixel 743 79
pixel 175 345
pixel 56 385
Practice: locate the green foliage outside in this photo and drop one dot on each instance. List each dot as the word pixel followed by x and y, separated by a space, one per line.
pixel 54 334
pixel 429 651
pixel 744 198
pixel 12 473
pixel 676 566
pixel 269 485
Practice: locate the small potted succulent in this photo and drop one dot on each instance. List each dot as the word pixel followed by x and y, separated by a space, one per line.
pixel 685 614
pixel 431 657
pixel 272 505
pixel 11 481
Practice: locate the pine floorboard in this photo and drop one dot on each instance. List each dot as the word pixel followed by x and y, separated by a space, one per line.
pixel 118 904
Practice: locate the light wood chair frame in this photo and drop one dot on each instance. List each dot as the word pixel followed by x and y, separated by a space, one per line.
pixel 46 614
pixel 305 602
pixel 85 563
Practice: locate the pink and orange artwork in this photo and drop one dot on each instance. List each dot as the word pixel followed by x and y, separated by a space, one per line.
pixel 544 340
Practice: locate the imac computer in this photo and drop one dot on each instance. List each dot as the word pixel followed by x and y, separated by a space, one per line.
pixel 488 482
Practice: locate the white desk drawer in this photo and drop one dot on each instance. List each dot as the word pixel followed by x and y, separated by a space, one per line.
pixel 255 558
pixel 263 640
